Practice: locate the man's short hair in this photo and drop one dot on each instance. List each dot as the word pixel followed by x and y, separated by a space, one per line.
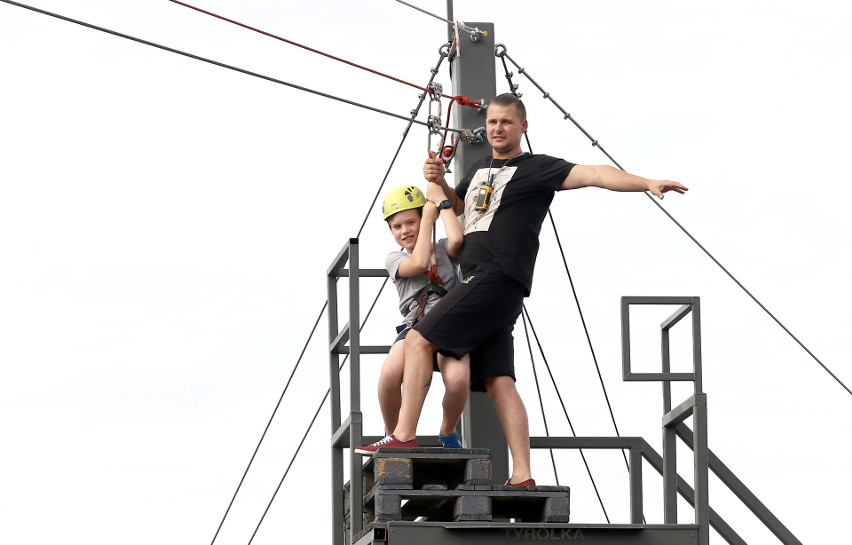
pixel 509 99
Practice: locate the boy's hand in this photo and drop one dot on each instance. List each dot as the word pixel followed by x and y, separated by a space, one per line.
pixel 435 193
pixel 433 168
pixel 430 212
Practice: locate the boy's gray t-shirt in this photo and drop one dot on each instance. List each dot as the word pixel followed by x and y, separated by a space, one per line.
pixel 409 287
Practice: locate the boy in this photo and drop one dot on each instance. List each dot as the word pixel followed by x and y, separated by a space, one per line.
pixel 411 218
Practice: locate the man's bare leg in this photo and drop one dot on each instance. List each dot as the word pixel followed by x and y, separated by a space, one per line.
pixel 513 418
pixel 416 378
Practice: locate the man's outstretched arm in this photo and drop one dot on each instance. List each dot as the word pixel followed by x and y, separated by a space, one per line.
pixel 611 178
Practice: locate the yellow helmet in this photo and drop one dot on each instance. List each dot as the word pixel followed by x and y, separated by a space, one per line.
pixel 402 198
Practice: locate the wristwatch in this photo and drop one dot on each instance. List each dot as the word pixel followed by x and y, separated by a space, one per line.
pixel 444 204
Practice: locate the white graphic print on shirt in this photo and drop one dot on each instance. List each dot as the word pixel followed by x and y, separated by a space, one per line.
pixel 481 221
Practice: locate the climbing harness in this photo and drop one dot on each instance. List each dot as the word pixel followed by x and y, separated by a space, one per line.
pixel 434 287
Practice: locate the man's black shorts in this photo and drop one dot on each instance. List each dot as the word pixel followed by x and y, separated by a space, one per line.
pixel 477 317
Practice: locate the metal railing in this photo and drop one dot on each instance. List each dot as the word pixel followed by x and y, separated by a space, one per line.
pixel 348 431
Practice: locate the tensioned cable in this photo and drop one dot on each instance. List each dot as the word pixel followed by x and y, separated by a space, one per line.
pixel 274 80
pixel 220 64
pixel 579 307
pixel 588 336
pixel 461 25
pixel 269 423
pixel 501 52
pixel 313 420
pixel 461 99
pixel 564 410
pixel 414 113
pixel 540 398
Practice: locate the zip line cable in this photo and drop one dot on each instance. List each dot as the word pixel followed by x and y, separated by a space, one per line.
pixel 564 410
pixel 501 52
pixel 220 64
pixel 411 121
pixel 457 24
pixel 462 99
pixel 269 423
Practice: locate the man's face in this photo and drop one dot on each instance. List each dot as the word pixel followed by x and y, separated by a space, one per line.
pixel 504 129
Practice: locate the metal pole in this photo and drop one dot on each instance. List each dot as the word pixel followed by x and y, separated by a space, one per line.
pixel 474 75
pixel 356 490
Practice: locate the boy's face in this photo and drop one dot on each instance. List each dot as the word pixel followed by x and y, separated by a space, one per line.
pixel 405 226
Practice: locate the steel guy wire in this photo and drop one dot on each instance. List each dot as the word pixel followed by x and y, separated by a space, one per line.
pixel 414 113
pixel 580 312
pixel 586 331
pixel 565 411
pixel 314 419
pixel 501 52
pixel 268 424
pixel 540 398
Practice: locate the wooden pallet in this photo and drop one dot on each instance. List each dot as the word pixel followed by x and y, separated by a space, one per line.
pixel 450 485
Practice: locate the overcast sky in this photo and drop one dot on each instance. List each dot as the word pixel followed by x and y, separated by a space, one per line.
pixel 166 226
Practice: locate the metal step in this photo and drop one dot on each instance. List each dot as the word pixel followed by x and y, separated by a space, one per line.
pixel 467 533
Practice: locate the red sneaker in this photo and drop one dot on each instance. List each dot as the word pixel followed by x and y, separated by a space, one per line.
pixel 388 442
pixel 525 484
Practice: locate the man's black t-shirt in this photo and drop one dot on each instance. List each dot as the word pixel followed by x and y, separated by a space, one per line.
pixel 505 237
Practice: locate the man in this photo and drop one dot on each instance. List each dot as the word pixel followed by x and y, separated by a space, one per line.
pixel 504 198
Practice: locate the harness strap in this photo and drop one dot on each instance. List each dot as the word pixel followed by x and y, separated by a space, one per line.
pixel 435 285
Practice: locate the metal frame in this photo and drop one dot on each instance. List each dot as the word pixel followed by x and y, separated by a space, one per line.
pixel 348 431
pixel 674 427
pixel 474 75
pixel 695 406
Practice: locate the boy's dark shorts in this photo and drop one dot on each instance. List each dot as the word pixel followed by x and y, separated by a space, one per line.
pixel 477 317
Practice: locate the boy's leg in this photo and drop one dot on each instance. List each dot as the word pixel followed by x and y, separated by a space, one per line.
pixel 416 379
pixel 455 324
pixel 456 376
pixel 390 384
pixel 513 418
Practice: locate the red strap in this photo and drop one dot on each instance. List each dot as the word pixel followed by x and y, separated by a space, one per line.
pixel 433 271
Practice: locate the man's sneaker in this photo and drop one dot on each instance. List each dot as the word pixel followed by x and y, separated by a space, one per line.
pixel 388 442
pixel 450 441
pixel 525 484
